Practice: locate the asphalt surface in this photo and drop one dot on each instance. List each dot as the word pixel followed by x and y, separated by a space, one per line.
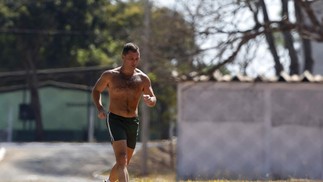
pixel 55 162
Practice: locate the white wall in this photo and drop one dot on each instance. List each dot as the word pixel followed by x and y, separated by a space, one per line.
pixel 250 130
pixel 318 57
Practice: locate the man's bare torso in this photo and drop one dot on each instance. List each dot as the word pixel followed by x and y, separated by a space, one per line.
pixel 125 92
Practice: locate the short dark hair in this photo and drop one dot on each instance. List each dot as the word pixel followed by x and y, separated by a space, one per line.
pixel 130 47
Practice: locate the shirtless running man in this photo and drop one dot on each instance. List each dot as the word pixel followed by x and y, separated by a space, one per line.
pixel 126 85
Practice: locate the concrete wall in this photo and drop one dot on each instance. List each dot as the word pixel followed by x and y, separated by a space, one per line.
pixel 318 57
pixel 250 130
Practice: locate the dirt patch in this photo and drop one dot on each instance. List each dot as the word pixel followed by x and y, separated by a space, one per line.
pixel 55 162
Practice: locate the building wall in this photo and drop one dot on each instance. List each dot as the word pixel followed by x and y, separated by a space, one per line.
pixel 65 115
pixel 318 58
pixel 250 130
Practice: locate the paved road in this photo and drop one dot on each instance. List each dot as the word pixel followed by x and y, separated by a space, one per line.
pixel 55 162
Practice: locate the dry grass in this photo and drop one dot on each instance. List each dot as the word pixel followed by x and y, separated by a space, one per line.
pixel 171 179
pixel 161 166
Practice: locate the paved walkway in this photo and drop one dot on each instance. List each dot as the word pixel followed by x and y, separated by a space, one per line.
pixel 55 162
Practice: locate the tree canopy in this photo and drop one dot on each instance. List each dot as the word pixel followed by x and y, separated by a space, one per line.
pixel 50 34
pixel 201 36
pixel 271 34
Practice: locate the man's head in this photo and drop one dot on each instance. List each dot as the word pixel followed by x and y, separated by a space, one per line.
pixel 130 47
pixel 130 55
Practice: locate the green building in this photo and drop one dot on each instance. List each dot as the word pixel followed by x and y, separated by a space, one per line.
pixel 68 114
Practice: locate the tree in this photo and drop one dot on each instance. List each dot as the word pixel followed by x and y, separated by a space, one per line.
pixel 289 42
pixel 171 50
pixel 171 44
pixel 53 34
pixel 73 33
pixel 238 26
pixel 308 59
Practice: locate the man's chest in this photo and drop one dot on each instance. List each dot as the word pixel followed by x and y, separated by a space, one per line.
pixel 124 85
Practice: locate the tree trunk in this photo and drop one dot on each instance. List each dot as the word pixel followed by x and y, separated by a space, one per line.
pixel 30 50
pixel 289 42
pixel 270 39
pixel 308 58
pixel 307 47
pixel 32 81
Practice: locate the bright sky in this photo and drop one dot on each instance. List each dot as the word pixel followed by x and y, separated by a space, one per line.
pixel 265 65
pixel 168 3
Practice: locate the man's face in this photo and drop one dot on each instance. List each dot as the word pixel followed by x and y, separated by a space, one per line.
pixel 131 59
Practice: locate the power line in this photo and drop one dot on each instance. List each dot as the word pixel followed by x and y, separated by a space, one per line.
pixel 70 70
pixel 44 32
pixel 25 2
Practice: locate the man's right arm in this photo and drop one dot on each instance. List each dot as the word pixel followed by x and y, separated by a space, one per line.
pixel 96 95
pixel 98 88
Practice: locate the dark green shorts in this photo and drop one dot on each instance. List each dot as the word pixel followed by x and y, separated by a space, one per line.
pixel 121 128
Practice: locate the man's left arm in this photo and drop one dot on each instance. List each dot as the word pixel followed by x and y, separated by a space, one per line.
pixel 148 93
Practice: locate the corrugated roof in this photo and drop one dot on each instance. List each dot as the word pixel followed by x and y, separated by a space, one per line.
pixel 48 84
pixel 283 77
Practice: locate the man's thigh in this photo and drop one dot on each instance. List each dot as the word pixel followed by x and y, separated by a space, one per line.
pixel 120 149
pixel 130 152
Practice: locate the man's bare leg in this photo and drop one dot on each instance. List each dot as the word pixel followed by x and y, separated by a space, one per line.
pixel 113 174
pixel 119 168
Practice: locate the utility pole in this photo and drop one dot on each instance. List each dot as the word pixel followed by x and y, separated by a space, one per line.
pixel 144 110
